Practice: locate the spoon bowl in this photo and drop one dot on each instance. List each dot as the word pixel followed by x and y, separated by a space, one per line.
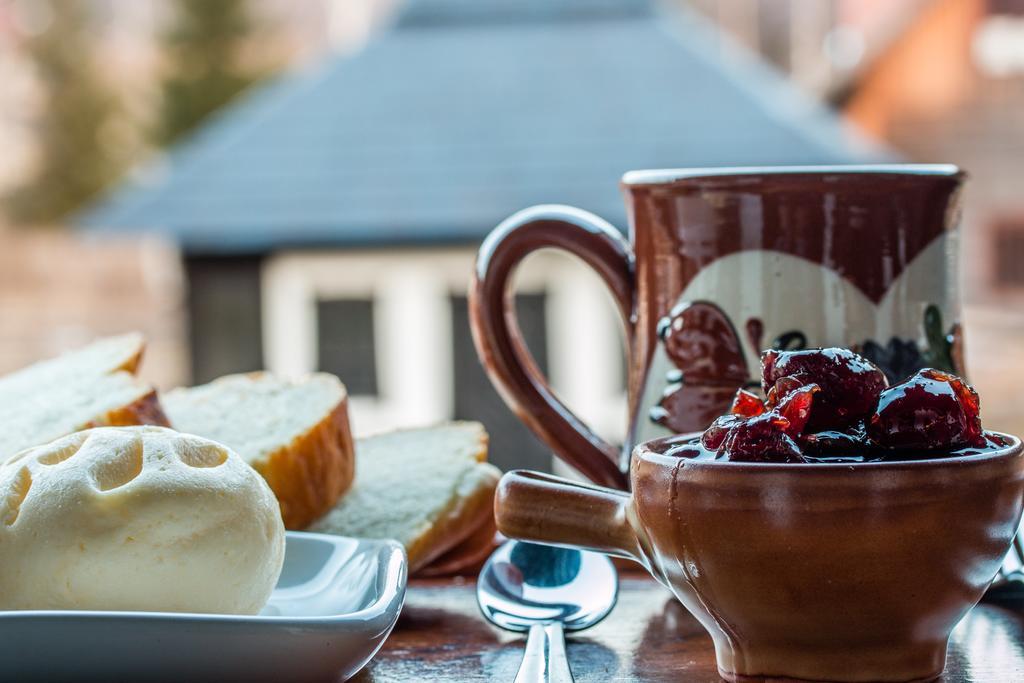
pixel 544 590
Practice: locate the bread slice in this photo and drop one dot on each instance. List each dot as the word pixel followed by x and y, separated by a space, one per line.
pixel 468 557
pixel 428 488
pixel 295 432
pixel 91 387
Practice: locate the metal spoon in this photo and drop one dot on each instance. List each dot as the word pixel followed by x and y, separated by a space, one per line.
pixel 546 590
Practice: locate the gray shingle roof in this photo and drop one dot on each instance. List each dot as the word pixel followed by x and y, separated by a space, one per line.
pixel 440 128
pixel 429 13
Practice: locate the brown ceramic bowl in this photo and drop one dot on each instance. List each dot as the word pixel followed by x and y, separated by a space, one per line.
pixel 822 572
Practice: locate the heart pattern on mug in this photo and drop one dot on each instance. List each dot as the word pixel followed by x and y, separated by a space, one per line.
pixel 702 360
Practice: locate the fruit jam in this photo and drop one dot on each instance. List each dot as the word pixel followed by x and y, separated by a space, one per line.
pixel 693 450
pixel 832 405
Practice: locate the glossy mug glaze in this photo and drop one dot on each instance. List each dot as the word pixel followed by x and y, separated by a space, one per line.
pixel 722 263
pixel 816 572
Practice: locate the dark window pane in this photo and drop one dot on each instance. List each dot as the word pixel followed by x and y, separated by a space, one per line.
pixel 345 343
pixel 1009 250
pixel 1011 7
pixel 225 333
pixel 512 445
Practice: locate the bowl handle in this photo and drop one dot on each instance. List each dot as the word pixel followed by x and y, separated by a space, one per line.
pixel 531 506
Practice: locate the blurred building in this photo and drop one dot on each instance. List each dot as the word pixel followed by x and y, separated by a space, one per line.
pixel 820 45
pixel 60 291
pixel 951 87
pixel 127 45
pixel 330 220
pixel 938 81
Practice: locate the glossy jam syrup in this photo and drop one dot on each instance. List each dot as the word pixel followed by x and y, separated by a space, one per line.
pixel 849 384
pixel 829 404
pixel 932 409
pixel 693 450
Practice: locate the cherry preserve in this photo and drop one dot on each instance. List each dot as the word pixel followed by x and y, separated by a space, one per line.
pixel 832 405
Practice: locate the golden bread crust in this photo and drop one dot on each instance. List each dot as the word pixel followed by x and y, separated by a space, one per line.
pixel 468 556
pixel 309 475
pixel 456 524
pixel 145 410
pixel 131 364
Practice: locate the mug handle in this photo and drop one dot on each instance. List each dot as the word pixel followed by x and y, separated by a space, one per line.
pixel 500 342
pixel 541 508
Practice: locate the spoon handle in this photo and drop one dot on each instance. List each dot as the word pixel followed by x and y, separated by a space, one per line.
pixel 545 660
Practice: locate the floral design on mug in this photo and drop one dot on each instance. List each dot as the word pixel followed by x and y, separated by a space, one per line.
pixel 898 358
pixel 703 345
pixel 794 340
pixel 755 331
pixel 901 358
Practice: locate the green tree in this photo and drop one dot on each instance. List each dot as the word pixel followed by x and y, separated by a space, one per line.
pixel 77 155
pixel 205 65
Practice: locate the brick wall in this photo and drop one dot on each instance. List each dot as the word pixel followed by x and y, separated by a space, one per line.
pixel 59 291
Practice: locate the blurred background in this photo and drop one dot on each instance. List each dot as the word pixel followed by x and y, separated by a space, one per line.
pixel 302 184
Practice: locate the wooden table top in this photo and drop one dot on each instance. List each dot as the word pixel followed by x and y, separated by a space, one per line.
pixel 441 636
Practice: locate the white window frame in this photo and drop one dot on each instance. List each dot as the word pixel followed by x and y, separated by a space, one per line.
pixel 410 290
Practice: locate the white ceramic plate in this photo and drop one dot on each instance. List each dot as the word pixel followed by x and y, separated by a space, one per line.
pixel 335 603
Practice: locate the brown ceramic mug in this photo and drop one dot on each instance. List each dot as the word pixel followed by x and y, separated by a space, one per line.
pixel 809 572
pixel 722 264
